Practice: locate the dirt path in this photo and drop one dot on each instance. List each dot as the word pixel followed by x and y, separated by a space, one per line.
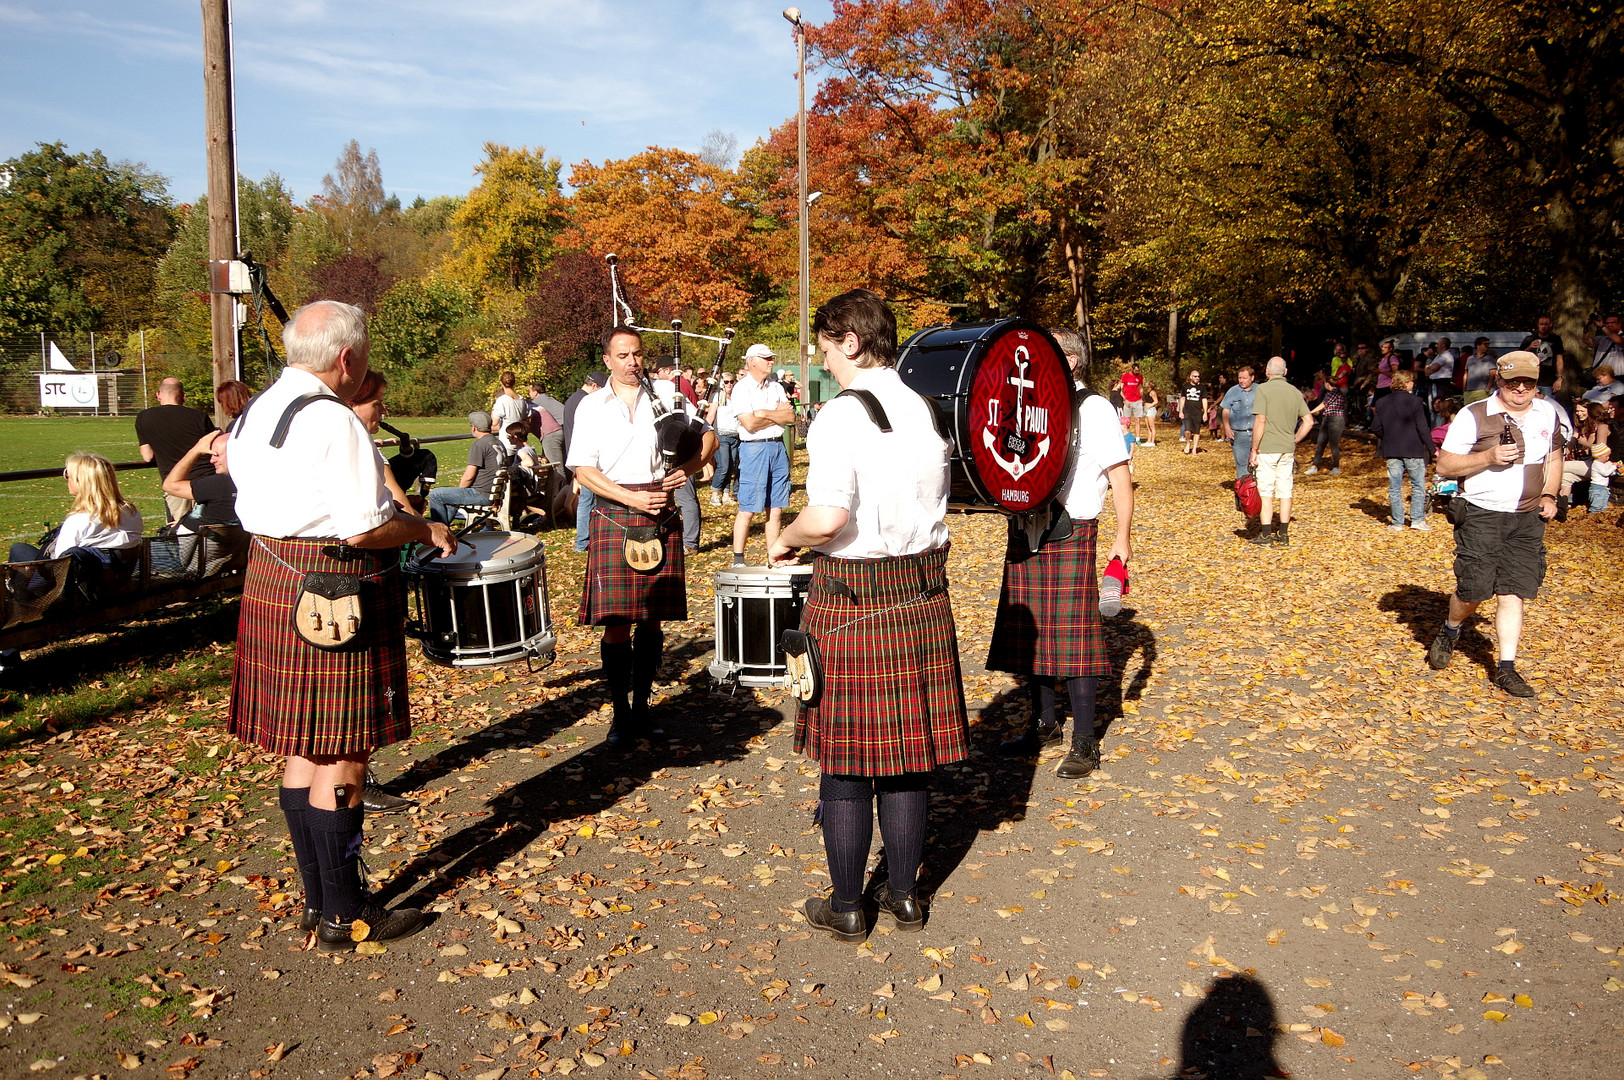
pixel 1306 854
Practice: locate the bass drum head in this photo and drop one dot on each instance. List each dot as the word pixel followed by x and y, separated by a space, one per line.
pixel 1006 390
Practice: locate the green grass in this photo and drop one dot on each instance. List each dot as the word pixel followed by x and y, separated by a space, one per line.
pixel 43 442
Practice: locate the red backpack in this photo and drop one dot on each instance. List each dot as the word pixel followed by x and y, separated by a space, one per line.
pixel 1247 500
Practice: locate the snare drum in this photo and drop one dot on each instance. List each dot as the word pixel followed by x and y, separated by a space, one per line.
pixel 487 604
pixel 1004 393
pixel 754 606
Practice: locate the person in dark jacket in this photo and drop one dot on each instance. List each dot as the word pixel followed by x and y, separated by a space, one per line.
pixel 1400 426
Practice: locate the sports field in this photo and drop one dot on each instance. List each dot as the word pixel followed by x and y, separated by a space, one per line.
pixel 41 442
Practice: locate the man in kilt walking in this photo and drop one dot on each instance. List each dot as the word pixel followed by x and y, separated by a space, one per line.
pixel 892 703
pixel 635 574
pixel 310 488
pixel 1048 625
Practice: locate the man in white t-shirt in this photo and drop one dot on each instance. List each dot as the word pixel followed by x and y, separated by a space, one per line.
pixel 762 409
pixel 1504 450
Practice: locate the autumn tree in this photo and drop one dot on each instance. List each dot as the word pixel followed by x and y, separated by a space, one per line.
pixel 503 233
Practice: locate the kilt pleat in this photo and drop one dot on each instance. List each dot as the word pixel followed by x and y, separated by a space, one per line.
pixel 291 698
pixel 893 699
pixel 614 592
pixel 1049 609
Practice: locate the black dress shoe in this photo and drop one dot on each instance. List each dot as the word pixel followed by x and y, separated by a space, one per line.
pixel 310 919
pixel 1078 765
pixel 1031 741
pixel 378 801
pixel 905 910
pixel 381 925
pixel 844 925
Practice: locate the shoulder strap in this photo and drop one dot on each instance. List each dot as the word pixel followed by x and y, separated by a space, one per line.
pixel 876 411
pixel 1084 393
pixel 295 407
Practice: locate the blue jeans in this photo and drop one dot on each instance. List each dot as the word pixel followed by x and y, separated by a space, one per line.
pixel 443 501
pixel 1417 470
pixel 1242 447
pixel 1599 493
pixel 727 465
pixel 688 504
pixel 583 517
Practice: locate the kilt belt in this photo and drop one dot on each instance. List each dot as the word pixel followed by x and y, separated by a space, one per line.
pixel 893 699
pixel 612 591
pixel 1049 609
pixel 289 697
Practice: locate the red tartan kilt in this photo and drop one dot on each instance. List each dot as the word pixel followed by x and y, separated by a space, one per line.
pixel 613 592
pixel 893 700
pixel 291 698
pixel 1049 609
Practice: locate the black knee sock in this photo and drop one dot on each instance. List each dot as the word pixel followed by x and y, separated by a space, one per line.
pixel 848 830
pixel 1082 691
pixel 337 836
pixel 1041 687
pixel 903 819
pixel 296 808
pixel 617 672
pixel 647 647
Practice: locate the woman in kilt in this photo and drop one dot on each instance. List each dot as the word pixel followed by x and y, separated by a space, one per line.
pixel 892 706
pixel 1049 624
pixel 615 454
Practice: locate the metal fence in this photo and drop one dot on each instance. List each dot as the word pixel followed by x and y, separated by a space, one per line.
pixel 77 374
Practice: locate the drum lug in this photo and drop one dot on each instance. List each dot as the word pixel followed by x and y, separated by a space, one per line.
pixel 530 659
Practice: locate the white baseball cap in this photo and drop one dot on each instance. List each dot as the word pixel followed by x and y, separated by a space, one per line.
pixel 761 350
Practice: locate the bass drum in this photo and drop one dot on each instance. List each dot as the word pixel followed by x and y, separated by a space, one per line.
pixel 1004 392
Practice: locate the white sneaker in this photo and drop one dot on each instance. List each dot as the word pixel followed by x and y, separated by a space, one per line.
pixel 1420 526
pixel 1310 471
pixel 1397 526
pixel 1336 472
pixel 716 499
pixel 728 499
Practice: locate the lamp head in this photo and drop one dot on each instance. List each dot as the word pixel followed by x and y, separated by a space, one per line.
pixel 793 14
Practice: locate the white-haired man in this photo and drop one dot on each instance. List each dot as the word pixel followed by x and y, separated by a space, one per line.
pixel 1280 420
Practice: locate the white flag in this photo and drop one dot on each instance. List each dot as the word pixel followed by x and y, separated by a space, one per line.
pixel 58 361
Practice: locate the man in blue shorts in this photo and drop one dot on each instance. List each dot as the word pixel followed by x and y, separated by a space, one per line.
pixel 763 409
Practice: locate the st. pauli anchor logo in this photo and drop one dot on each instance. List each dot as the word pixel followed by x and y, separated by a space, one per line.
pixel 1016 429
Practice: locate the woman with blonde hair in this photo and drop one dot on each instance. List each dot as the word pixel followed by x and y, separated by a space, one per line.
pixel 101 517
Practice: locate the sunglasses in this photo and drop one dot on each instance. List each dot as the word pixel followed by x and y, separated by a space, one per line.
pixel 1520 384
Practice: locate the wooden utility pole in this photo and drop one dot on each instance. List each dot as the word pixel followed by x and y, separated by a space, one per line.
pixel 222 170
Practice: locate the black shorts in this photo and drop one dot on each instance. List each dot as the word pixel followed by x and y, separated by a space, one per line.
pixel 1498 554
pixel 1192 419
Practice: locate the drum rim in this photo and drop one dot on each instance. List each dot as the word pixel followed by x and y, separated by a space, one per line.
pixel 421 563
pixel 761 575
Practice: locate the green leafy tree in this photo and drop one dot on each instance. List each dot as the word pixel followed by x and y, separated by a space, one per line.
pixel 503 233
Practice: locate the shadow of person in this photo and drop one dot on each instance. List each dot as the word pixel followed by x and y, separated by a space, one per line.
pixel 1369 507
pixel 1423 611
pixel 1125 636
pixel 594 780
pixel 1230 1034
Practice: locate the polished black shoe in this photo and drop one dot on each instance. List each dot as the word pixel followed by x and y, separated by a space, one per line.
pixel 381 925
pixel 1031 741
pixel 1076 765
pixel 310 919
pixel 378 801
pixel 1513 683
pixel 844 925
pixel 905 910
pixel 1441 649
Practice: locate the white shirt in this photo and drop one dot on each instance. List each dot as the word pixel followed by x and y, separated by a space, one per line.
pixel 727 421
pixel 82 530
pixel 1504 488
pixel 1100 445
pixel 748 396
pixel 1446 371
pixel 325 481
pixel 620 442
pixel 507 410
pixel 894 487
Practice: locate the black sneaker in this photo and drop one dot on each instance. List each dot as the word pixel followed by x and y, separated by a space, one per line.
pixel 1442 647
pixel 844 925
pixel 375 924
pixel 1264 536
pixel 1078 765
pixel 905 910
pixel 1514 684
pixel 1031 741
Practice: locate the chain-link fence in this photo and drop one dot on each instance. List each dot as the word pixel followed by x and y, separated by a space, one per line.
pixel 84 374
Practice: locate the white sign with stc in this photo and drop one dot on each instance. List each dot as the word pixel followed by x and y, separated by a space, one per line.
pixel 67 391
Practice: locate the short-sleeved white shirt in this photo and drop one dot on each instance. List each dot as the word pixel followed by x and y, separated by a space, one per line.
pixel 894 486
pixel 325 481
pixel 507 410
pixel 748 396
pixel 1100 445
pixel 1505 488
pixel 619 441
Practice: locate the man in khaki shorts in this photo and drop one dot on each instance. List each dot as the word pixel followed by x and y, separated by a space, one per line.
pixel 1280 420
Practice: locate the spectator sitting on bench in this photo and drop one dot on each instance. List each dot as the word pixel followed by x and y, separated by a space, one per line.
pixel 214 502
pixel 101 518
pixel 368 405
pixel 486 457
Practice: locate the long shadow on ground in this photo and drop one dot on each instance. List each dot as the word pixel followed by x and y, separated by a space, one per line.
pixel 1423 611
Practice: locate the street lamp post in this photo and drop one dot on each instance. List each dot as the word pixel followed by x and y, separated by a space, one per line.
pixel 793 14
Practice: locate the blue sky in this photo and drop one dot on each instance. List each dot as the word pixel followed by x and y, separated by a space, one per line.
pixel 424 82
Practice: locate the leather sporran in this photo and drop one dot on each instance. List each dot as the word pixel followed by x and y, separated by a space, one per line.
pixel 643 548
pixel 803 666
pixel 327 611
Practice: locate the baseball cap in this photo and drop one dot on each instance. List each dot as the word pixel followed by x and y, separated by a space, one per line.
pixel 480 420
pixel 1518 365
pixel 761 350
pixel 599 377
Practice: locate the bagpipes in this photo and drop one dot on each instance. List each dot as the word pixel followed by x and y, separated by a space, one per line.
pixel 678 436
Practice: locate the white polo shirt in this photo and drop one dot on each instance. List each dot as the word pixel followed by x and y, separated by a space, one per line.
pixel 1100 445
pixel 748 396
pixel 894 487
pixel 619 441
pixel 325 481
pixel 1505 488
